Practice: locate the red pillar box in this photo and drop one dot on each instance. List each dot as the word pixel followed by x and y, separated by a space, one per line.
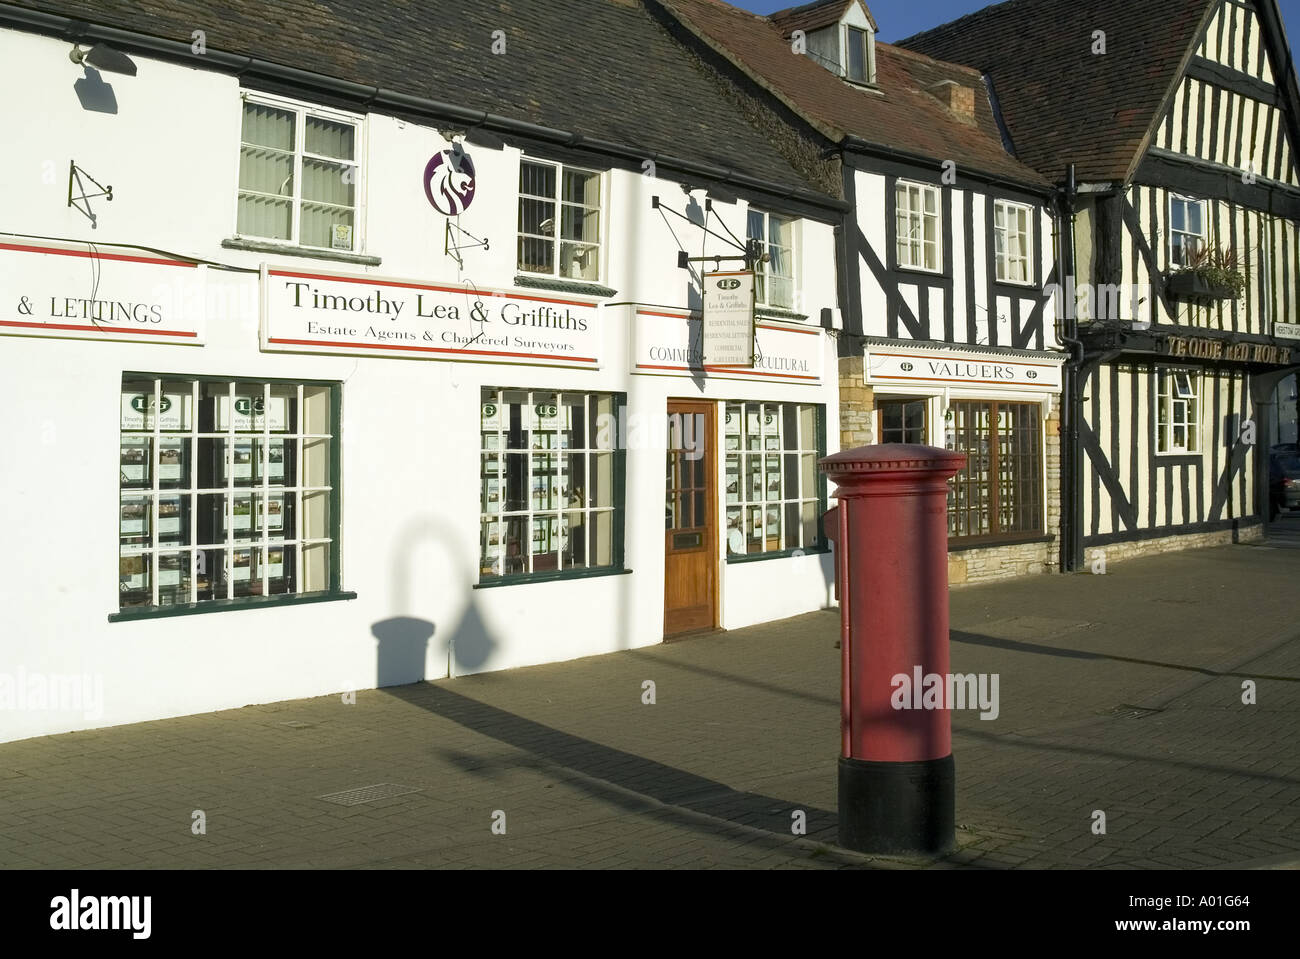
pixel 897 787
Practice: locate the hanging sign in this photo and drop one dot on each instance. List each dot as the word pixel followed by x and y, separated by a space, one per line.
pixel 728 319
pixel 449 182
pixel 92 292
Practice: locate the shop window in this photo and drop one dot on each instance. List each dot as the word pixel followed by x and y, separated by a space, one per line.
pixel 1178 419
pixel 775 493
pixel 999 494
pixel 1013 239
pixel 774 279
pixel 903 421
pixel 1187 232
pixel 299 174
pixel 917 225
pixel 228 490
pixel 559 220
pixel 551 483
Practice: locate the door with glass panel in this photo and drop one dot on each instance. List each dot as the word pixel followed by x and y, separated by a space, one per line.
pixel 690 521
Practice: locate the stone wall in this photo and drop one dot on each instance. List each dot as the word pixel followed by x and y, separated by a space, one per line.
pixel 1099 558
pixel 857 405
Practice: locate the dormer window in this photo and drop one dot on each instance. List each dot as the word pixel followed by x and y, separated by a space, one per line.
pixel 859 55
pixel 839 35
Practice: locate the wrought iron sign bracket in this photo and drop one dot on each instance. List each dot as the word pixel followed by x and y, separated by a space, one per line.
pixel 82 200
pixel 451 246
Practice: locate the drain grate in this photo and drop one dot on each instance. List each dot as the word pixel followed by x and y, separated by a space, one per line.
pixel 365 794
pixel 298 724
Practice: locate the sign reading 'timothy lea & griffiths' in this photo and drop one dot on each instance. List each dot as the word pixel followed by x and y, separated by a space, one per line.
pixel 371 316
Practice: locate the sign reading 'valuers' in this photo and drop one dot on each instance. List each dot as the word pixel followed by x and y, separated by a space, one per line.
pixel 331 313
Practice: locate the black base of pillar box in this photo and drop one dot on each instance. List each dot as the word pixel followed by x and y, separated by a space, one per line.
pixel 898 807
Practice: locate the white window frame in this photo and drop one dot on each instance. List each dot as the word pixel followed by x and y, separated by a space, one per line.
pixel 602 433
pixel 868 54
pixel 762 271
pixel 302 110
pixel 770 442
pixel 1007 211
pixel 1178 390
pixel 260 490
pixel 555 239
pixel 1202 238
pixel 916 217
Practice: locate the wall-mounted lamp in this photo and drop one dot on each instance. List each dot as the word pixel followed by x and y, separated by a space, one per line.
pixel 102 57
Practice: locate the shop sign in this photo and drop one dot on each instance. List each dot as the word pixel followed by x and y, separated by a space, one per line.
pixel 370 316
pixel 1205 348
pixel 86 291
pixel 170 411
pixel 669 343
pixel 251 414
pixel 728 319
pixel 890 365
pixel 449 182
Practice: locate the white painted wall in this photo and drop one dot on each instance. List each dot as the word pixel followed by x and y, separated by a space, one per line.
pixel 409 427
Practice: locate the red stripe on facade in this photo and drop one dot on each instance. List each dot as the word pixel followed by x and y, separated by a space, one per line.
pixel 54 251
pixel 97 329
pixel 726 369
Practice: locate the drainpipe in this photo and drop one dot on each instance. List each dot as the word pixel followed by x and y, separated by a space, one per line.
pixel 1072 558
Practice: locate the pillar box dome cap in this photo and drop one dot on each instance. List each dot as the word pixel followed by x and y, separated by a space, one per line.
pixel 892 458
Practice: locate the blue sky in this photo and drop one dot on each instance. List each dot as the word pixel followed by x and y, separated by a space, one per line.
pixel 902 18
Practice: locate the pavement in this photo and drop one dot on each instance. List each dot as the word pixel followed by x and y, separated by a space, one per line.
pixel 1120 693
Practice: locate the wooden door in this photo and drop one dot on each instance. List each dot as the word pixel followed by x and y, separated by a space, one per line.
pixel 691 532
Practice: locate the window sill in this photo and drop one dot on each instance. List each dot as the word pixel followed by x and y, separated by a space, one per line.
pixel 580 287
pixel 551 577
pixel 225 605
pixel 782 554
pixel 777 313
pixel 923 271
pixel 285 249
pixel 1181 458
pixel 870 86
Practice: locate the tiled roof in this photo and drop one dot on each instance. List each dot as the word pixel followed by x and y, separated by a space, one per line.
pixel 815 16
pixel 605 69
pixel 1061 102
pixel 901 116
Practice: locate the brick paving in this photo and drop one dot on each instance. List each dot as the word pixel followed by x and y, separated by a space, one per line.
pixel 1119 693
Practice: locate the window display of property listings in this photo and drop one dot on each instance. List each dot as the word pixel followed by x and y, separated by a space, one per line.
pixel 226 490
pixel 774 492
pixel 550 483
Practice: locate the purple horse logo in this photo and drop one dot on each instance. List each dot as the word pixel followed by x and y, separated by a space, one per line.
pixel 449 182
